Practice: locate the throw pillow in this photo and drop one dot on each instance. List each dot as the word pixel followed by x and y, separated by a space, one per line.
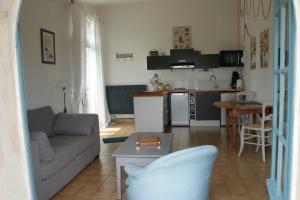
pixel 78 124
pixel 45 149
pixel 41 119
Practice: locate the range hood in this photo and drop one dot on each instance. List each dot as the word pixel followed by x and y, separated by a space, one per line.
pixel 182 66
pixel 182 58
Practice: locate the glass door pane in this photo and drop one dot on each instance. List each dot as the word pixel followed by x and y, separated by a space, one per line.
pixel 278 183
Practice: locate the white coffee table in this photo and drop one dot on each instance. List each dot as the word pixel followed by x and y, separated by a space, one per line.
pixel 129 153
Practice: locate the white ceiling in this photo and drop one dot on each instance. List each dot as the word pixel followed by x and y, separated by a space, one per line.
pixel 114 2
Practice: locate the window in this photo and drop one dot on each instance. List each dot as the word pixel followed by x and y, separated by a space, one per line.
pixel 91 67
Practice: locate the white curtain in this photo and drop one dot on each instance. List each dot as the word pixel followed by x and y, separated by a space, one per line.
pixel 77 55
pixel 102 108
pixel 95 83
pixel 88 93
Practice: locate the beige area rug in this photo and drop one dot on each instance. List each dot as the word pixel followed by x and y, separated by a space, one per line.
pixel 118 128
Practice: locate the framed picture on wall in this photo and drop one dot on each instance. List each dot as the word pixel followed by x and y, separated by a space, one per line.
pixel 253 53
pixel 182 37
pixel 47 46
pixel 264 49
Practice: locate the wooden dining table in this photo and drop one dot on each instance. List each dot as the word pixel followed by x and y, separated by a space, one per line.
pixel 237 109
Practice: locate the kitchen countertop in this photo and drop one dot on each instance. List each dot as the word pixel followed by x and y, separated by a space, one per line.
pixel 150 93
pixel 207 90
pixel 162 93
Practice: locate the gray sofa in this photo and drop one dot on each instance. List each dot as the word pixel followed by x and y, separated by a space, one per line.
pixel 62 145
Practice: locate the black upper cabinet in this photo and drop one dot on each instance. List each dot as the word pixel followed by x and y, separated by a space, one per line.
pixel 231 58
pixel 182 57
pixel 158 62
pixel 207 61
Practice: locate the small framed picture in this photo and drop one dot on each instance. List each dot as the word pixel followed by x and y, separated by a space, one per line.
pixel 253 53
pixel 182 37
pixel 48 46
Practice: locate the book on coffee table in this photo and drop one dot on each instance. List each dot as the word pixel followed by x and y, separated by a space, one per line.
pixel 148 141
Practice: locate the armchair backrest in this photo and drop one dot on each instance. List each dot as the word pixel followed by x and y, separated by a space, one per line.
pixel 181 175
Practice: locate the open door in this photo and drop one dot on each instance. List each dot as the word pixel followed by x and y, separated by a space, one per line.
pixel 284 35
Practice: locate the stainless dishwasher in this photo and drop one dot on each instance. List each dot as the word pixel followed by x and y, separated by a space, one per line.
pixel 180 109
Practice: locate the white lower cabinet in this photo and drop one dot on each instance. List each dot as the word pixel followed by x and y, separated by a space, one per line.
pixel 150 113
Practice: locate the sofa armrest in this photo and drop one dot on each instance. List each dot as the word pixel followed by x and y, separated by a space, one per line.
pixel 78 124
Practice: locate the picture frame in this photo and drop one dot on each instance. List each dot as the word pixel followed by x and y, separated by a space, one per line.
pixel 253 53
pixel 47 46
pixel 264 49
pixel 182 37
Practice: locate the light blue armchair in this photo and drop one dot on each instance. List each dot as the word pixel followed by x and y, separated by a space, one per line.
pixel 183 175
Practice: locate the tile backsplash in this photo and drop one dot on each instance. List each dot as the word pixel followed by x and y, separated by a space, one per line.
pixel 197 84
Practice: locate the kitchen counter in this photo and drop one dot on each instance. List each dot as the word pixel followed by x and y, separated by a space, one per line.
pixel 150 111
pixel 206 90
pixel 162 93
pixel 150 93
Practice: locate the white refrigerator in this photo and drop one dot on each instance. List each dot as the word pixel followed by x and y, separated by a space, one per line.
pixel 180 109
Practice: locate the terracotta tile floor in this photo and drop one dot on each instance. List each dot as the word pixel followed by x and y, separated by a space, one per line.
pixel 233 178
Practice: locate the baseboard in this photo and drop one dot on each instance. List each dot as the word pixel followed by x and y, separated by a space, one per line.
pixel 122 116
pixel 205 123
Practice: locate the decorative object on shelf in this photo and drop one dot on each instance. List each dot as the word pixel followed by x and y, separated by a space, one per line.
pixel 148 141
pixel 124 56
pixel 154 83
pixel 182 37
pixel 153 52
pixel 253 53
pixel 264 49
pixel 47 46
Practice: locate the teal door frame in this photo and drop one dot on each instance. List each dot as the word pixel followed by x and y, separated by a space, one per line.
pixel 283 100
pixel 24 110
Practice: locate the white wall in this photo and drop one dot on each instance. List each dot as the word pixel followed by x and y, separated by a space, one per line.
pixel 260 79
pixel 14 165
pixel 41 79
pixel 139 27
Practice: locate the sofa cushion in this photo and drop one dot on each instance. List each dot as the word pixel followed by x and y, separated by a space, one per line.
pixel 46 152
pixel 75 124
pixel 41 119
pixel 66 149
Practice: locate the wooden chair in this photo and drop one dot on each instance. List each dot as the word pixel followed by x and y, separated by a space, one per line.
pixel 258 131
pixel 245 118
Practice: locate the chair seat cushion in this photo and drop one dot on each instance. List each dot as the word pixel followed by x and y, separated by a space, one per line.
pixel 66 149
pixel 258 126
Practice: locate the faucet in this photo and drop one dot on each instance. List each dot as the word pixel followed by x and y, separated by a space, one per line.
pixel 213 78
